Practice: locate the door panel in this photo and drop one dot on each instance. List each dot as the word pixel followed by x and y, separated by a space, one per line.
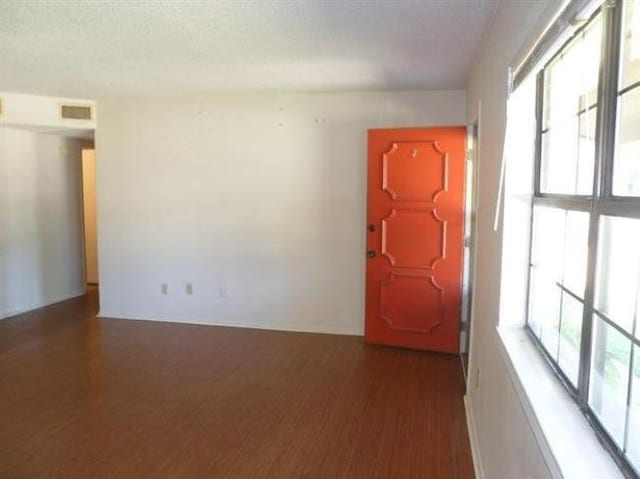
pixel 411 302
pixel 415 237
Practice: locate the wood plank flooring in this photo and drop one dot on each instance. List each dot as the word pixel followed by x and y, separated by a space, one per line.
pixel 83 397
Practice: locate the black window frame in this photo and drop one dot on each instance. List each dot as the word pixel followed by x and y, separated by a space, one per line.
pixel 601 202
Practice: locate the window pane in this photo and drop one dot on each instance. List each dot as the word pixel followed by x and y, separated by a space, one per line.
pixel 570 331
pixel 571 80
pixel 638 316
pixel 534 314
pixel 550 327
pixel 560 158
pixel 626 171
pixel 575 252
pixel 544 310
pixel 609 378
pixel 570 87
pixel 560 240
pixel 633 434
pixel 586 152
pixel 631 44
pixel 548 240
pixel 568 152
pixel 618 269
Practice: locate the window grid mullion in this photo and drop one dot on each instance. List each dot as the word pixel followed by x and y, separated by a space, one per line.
pixel 610 322
pixel 565 202
pixel 621 207
pixel 538 145
pixel 629 88
pixel 609 74
pixel 604 141
pixel 536 184
pixel 569 292
pixel 632 360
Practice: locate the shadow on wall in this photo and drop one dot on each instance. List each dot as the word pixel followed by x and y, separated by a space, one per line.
pixel 41 242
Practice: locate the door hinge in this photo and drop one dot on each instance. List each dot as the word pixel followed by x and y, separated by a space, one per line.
pixel 468 155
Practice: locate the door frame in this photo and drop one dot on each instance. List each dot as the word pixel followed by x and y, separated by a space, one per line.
pixel 89 145
pixel 470 238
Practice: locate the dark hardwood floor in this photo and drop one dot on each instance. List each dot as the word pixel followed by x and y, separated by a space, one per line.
pixel 82 397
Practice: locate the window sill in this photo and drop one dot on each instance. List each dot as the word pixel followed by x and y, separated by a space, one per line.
pixel 568 443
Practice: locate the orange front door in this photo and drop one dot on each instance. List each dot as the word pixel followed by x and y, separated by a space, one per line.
pixel 415 237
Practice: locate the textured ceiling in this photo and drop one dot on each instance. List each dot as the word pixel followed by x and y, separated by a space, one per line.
pixel 110 48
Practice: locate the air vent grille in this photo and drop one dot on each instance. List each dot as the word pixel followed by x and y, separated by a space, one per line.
pixel 75 112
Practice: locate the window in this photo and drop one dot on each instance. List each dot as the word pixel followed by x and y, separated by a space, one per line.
pixel 584 268
pixel 626 171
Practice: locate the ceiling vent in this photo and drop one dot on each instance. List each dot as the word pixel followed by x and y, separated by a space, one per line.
pixel 75 112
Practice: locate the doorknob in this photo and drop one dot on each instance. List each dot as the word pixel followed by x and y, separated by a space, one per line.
pixel 371 253
pixel 372 228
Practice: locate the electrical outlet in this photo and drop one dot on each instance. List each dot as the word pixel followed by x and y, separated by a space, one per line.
pixel 164 288
pixel 222 291
pixel 188 288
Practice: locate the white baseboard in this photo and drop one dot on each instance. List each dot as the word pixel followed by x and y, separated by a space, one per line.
pixel 313 328
pixel 34 306
pixel 473 439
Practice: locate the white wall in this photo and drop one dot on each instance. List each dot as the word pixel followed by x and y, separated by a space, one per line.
pixel 258 200
pixel 40 220
pixel 90 220
pixel 507 447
